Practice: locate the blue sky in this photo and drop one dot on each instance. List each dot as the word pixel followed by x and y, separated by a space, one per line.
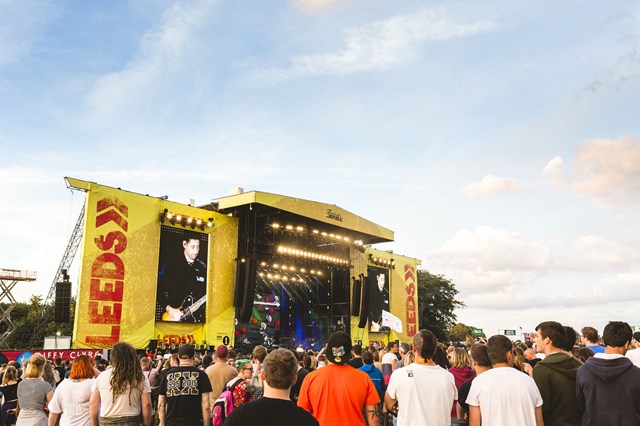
pixel 499 140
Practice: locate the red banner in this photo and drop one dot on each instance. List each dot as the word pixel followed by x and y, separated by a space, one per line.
pixel 71 354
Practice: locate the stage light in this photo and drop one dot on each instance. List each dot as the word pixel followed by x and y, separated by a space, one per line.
pixel 275 225
pixel 275 265
pixel 315 231
pixel 263 263
pixel 189 220
pixel 261 274
pixel 269 276
pixel 199 222
pixel 169 215
pixel 324 234
pixel 179 218
pixel 289 227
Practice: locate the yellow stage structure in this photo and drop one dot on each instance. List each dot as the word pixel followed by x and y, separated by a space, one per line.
pixel 253 268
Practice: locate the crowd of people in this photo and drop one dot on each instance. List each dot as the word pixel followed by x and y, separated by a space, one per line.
pixel 556 378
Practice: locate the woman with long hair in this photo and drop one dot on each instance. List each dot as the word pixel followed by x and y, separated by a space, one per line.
pixel 70 402
pixel 33 394
pixel 121 394
pixel 461 369
pixel 9 389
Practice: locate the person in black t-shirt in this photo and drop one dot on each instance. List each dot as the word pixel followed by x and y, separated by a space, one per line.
pixel 184 393
pixel 300 375
pixel 356 361
pixel 274 408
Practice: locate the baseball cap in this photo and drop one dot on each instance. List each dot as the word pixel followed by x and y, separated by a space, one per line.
pixel 186 352
pixel 222 352
pixel 339 348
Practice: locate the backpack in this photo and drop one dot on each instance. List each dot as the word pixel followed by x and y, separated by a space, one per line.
pixel 223 405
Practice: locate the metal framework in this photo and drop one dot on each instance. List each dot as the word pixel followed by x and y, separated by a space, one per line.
pixel 8 280
pixel 65 265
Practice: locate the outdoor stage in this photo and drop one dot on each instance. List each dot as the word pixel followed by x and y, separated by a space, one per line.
pixel 253 268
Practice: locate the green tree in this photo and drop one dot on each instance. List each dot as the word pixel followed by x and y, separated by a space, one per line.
pixel 33 321
pixel 437 303
pixel 459 332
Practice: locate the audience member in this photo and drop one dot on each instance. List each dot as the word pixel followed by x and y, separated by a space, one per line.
pixel 275 407
pixel 503 395
pixel 608 384
pixel 424 392
pixel 337 394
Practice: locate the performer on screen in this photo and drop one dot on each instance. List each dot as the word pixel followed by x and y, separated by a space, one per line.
pixel 182 284
pixel 379 301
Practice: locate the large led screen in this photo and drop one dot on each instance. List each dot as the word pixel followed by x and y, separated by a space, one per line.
pixel 182 275
pixel 378 280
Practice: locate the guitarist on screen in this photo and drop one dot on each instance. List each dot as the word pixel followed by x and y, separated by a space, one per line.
pixel 182 285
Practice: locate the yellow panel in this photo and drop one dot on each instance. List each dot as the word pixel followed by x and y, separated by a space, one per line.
pixel 119 271
pixel 327 213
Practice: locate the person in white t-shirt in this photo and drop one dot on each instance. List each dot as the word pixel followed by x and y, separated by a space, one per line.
pixel 424 392
pixel 70 402
pixel 389 360
pixel 122 391
pixel 634 354
pixel 504 395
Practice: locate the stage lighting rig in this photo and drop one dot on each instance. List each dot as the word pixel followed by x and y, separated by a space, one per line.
pixel 185 221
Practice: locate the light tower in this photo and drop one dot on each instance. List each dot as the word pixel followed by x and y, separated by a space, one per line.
pixel 8 280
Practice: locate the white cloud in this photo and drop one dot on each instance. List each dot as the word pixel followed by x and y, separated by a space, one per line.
pixel 20 26
pixel 493 185
pixel 607 170
pixel 379 45
pixel 603 253
pixel 488 257
pixel 161 55
pixel 317 5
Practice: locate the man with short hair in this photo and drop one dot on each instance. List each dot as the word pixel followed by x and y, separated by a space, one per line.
pixel 634 351
pixel 590 339
pixel 184 393
pixel 356 361
pixel 374 374
pixel 504 395
pixel 423 390
pixel 530 357
pixel 402 351
pixel 555 375
pixel 389 361
pixel 274 408
pixel 219 373
pixel 608 384
pixel 337 394
pixel 481 363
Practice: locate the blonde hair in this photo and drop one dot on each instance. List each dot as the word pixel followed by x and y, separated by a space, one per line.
pixel 409 358
pixel 460 358
pixel 10 373
pixel 35 366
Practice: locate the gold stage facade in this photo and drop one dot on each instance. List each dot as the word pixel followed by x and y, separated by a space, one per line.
pixel 253 268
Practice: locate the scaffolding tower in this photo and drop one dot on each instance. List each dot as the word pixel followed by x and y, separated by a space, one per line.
pixel 8 280
pixel 65 265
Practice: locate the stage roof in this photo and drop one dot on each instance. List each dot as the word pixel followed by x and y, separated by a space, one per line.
pixel 331 214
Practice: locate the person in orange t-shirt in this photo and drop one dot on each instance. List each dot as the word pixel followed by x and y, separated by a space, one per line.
pixel 338 393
